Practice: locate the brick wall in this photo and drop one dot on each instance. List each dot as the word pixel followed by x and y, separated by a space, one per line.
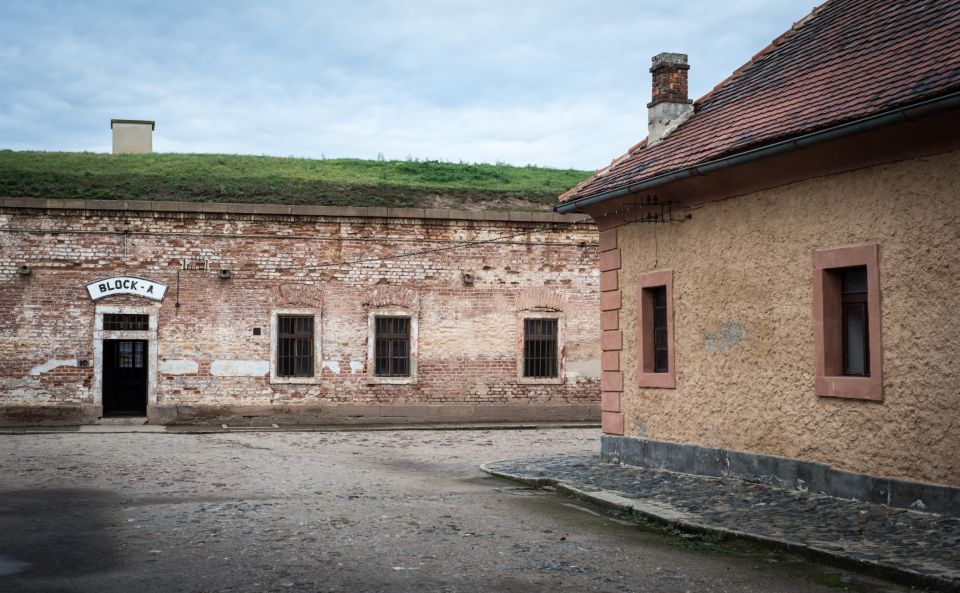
pixel 468 331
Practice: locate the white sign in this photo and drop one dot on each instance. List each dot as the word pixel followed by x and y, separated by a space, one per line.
pixel 127 285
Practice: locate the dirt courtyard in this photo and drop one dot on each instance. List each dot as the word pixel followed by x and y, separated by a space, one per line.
pixel 339 511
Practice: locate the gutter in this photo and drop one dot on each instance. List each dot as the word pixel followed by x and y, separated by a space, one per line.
pixel 873 122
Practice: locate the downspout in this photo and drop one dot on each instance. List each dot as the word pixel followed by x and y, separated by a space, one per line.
pixel 911 113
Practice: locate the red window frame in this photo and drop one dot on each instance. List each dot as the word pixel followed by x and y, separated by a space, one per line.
pixel 648 286
pixel 828 323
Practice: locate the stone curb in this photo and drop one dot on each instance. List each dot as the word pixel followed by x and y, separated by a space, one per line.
pixel 200 429
pixel 668 517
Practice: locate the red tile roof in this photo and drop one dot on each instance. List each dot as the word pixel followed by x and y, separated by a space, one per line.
pixel 847 60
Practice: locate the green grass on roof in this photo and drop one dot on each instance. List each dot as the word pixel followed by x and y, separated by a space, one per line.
pixel 275 180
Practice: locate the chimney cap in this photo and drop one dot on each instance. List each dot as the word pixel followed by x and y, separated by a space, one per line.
pixel 669 58
pixel 145 122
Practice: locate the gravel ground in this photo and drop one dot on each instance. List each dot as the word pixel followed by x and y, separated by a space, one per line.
pixel 342 511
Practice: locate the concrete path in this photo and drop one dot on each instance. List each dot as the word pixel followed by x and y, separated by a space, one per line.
pixel 915 547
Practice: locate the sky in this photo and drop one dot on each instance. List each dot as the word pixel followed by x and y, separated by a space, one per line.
pixel 549 83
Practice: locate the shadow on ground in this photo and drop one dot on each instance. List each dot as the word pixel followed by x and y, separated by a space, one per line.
pixel 55 534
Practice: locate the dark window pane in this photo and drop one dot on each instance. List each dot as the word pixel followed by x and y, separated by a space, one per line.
pixel 540 348
pixel 854 280
pixel 294 346
pixel 855 346
pixel 138 355
pixel 125 355
pixel 392 347
pixel 661 361
pixel 855 321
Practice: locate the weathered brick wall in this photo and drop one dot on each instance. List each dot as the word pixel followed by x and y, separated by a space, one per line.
pixel 469 333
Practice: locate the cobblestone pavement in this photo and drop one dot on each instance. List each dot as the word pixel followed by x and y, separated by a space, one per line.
pixel 920 547
pixel 350 512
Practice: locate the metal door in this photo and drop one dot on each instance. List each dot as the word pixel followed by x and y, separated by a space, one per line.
pixel 124 377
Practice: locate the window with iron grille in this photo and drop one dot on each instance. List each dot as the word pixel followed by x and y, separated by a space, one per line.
pixel 661 359
pixel 125 322
pixel 855 323
pixel 392 347
pixel 294 346
pixel 847 328
pixel 540 348
pixel 656 356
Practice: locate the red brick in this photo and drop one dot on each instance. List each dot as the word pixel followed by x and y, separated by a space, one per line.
pixel 48 315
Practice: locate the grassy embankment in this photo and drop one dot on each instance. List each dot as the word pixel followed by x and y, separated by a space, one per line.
pixel 275 180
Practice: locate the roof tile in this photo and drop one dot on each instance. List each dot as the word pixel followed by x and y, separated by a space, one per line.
pixel 846 60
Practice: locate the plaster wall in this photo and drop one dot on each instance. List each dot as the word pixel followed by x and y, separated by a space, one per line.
pixel 743 298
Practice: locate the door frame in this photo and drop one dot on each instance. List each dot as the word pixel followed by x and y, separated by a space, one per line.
pixel 150 335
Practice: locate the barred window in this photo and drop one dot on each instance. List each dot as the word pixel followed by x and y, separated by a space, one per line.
pixel 392 347
pixel 656 360
pixel 540 348
pixel 660 349
pixel 855 321
pixel 846 328
pixel 294 346
pixel 125 322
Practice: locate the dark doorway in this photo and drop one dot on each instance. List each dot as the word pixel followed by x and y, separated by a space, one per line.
pixel 124 377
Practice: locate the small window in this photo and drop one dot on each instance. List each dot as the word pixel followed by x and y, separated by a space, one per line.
pixel 125 322
pixel 855 321
pixel 294 346
pixel 392 347
pixel 540 348
pixel 661 362
pixel 846 328
pixel 655 355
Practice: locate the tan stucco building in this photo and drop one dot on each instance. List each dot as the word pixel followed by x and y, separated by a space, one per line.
pixel 780 264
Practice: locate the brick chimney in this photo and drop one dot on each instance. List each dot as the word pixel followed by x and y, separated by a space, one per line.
pixel 670 106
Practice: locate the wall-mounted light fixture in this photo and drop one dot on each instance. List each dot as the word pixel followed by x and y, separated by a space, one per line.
pixel 224 273
pixel 24 270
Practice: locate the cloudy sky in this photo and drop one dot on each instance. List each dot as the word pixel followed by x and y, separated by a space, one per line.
pixel 545 82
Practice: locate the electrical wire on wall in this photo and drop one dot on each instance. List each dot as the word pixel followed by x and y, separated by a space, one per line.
pixel 656 248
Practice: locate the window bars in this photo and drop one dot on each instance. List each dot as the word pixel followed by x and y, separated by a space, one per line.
pixel 540 348
pixel 392 347
pixel 294 346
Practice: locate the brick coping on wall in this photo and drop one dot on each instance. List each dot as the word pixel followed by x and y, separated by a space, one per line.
pixel 292 210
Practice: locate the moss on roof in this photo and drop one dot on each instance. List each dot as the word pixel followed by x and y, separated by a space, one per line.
pixel 275 180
